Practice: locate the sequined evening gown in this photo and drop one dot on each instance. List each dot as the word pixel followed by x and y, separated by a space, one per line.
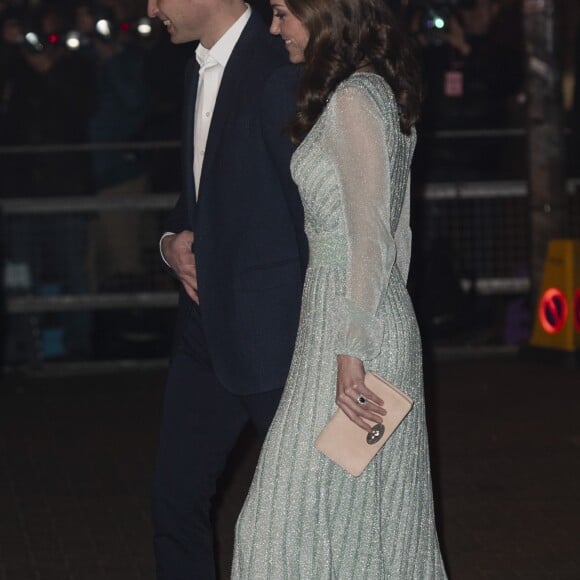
pixel 304 517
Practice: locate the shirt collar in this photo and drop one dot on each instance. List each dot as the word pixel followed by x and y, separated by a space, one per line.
pixel 221 51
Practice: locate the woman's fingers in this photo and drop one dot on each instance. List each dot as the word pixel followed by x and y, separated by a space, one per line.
pixel 358 402
pixel 365 398
pixel 362 412
pixel 354 417
pixel 369 396
pixel 348 400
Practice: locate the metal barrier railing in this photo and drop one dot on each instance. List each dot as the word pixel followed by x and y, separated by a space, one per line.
pixel 88 147
pixel 164 202
pixel 86 204
pixel 438 195
pixel 74 302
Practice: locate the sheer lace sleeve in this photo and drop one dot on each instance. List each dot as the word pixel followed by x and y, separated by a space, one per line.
pixel 356 139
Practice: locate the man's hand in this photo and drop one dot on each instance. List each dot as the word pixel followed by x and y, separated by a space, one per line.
pixel 41 62
pixel 350 387
pixel 456 37
pixel 176 249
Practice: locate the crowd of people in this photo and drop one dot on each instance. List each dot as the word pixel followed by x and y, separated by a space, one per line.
pixel 112 86
pixel 472 61
pixel 474 70
pixel 122 85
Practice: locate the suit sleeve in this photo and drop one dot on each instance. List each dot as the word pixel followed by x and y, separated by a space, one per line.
pixel 176 220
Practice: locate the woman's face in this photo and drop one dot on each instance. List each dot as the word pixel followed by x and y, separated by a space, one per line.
pixel 292 31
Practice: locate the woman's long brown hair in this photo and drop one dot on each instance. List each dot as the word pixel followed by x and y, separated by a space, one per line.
pixel 346 36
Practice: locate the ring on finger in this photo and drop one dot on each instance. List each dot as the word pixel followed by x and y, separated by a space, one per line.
pixel 361 399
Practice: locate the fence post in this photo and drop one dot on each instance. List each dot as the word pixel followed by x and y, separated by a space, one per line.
pixel 546 148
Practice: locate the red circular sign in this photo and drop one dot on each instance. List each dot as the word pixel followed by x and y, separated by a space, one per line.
pixel 577 310
pixel 553 310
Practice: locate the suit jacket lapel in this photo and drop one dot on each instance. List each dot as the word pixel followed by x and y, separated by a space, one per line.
pixel 191 80
pixel 228 93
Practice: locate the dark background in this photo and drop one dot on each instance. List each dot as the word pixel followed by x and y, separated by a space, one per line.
pixel 81 387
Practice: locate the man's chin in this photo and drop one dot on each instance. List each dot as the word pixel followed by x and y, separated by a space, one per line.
pixel 176 39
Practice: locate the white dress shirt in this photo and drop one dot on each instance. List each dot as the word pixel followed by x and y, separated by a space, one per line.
pixel 212 63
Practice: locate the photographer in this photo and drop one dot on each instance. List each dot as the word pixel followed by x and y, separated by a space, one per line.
pixel 121 110
pixel 472 72
pixel 474 69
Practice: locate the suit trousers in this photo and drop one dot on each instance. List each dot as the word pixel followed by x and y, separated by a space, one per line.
pixel 200 424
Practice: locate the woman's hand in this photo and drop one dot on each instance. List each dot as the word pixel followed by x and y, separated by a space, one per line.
pixel 353 397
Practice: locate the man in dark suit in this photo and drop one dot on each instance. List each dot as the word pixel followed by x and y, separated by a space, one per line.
pixel 235 241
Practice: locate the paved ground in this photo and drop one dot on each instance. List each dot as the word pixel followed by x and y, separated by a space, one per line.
pixel 76 455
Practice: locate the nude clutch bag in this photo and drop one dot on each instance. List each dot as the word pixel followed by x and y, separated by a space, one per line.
pixel 352 447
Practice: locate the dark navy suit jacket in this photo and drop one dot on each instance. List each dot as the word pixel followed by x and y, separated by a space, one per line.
pixel 250 246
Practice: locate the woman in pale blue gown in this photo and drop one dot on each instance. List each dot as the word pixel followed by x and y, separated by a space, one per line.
pixel 305 518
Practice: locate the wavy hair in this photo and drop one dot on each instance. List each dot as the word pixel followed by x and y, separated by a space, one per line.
pixel 346 36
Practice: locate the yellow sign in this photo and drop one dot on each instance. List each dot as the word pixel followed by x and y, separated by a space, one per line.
pixel 556 318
